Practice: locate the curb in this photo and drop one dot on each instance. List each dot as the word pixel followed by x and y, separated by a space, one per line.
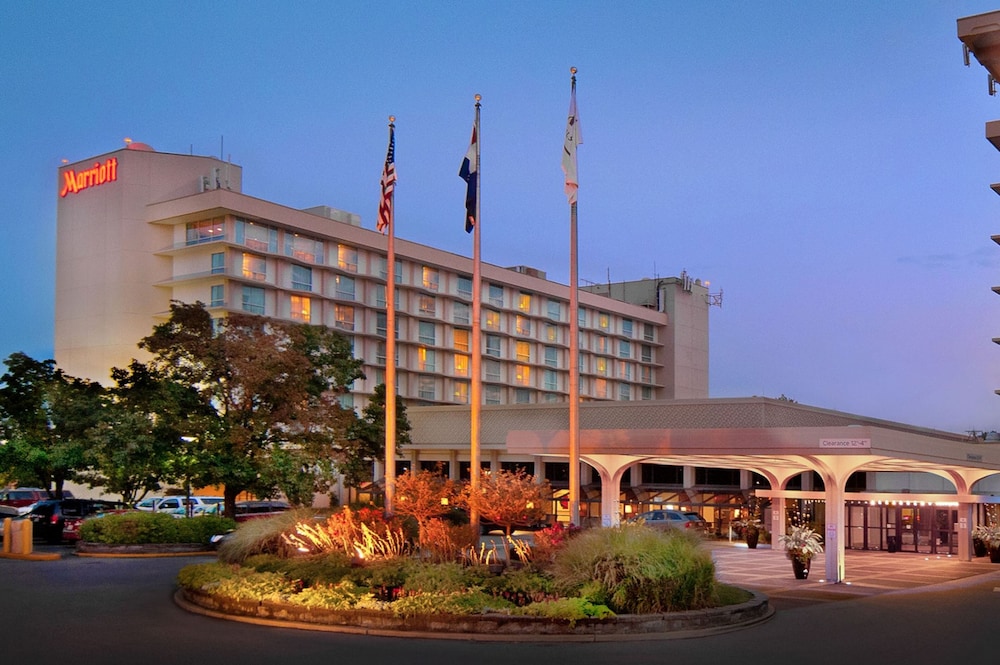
pixel 755 611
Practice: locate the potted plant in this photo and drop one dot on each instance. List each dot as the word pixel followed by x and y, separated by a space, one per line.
pixel 801 544
pixel 751 527
pixel 978 545
pixel 990 535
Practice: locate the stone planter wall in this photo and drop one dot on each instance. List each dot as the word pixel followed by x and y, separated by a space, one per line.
pixel 494 625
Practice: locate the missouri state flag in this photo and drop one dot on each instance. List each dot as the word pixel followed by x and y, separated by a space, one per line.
pixel 573 139
pixel 470 174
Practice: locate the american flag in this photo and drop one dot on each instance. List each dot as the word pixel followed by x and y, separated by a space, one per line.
pixel 388 183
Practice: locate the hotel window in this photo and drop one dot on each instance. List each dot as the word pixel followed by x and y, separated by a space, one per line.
pixel 425 333
pixel 523 325
pixel 492 394
pixel 493 345
pixel 581 316
pixel 430 278
pixel 398 272
pixel 301 309
pixel 208 230
pixel 601 388
pixel 627 328
pixel 522 351
pixel 344 287
pixel 647 332
pixel 460 392
pixel 496 295
pixel 522 396
pixel 303 248
pixel 603 320
pixel 647 392
pixel 461 339
pixel 253 299
pixel 428 304
pixel 218 295
pixel 647 353
pixel 553 309
pixel 522 375
pixel 646 374
pixel 624 392
pixel 524 302
pixel 383 271
pixel 256 236
pixel 380 295
pixel 624 348
pixel 343 316
pixel 492 320
pixel 218 263
pixel 601 366
pixel 254 267
pixel 380 354
pixel 600 344
pixel 493 370
pixel 461 313
pixel 425 387
pixel 465 286
pixel 550 397
pixel 551 333
pixel 302 278
pixel 551 356
pixel 381 324
pixel 461 365
pixel 347 258
pixel 625 371
pixel 550 380
pixel 426 360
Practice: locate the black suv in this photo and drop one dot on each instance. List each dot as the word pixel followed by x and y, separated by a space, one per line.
pixel 56 520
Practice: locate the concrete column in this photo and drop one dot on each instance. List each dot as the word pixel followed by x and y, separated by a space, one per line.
pixel 689 477
pixel 833 542
pixel 964 532
pixel 746 479
pixel 453 470
pixel 778 520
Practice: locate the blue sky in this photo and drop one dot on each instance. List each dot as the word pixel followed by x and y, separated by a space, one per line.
pixel 822 164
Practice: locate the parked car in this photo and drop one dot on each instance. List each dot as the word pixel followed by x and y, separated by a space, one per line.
pixel 23 497
pixel 170 504
pixel 670 519
pixel 249 510
pixel 55 520
pixel 698 521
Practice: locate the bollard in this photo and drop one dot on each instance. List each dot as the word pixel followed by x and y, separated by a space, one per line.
pixel 7 528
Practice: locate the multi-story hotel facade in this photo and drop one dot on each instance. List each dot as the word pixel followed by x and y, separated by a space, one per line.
pixel 158 227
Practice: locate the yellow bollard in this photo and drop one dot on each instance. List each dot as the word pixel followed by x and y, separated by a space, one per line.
pixel 27 537
pixel 7 522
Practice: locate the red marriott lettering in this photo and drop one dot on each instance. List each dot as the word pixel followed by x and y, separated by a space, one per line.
pixel 99 174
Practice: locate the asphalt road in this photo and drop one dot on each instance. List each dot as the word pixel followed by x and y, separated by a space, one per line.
pixel 120 611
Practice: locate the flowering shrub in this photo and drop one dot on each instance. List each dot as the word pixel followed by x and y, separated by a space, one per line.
pixel 550 540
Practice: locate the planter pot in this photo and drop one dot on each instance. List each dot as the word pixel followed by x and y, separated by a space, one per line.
pixel 995 554
pixel 800 568
pixel 979 547
pixel 752 536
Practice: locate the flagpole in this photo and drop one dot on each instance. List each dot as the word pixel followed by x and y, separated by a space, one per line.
pixel 390 344
pixel 475 392
pixel 574 341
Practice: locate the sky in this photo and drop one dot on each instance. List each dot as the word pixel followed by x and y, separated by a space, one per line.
pixel 822 165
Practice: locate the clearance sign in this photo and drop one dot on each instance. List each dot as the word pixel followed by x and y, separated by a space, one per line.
pixel 74 181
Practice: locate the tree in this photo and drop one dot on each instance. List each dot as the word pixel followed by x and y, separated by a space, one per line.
pixel 366 439
pixel 509 498
pixel 45 416
pixel 270 390
pixel 424 496
pixel 138 441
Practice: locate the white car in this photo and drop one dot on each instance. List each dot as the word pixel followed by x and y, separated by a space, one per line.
pixel 170 504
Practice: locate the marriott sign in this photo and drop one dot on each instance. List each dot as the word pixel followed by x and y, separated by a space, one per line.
pixel 75 181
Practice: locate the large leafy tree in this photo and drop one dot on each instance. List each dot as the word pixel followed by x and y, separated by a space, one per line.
pixel 45 416
pixel 366 440
pixel 509 499
pixel 271 388
pixel 142 434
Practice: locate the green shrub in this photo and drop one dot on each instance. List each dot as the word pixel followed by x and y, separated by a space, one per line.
pixel 205 576
pixel 437 578
pixel 344 595
pixel 571 609
pixel 639 570
pixel 475 601
pixel 140 528
pixel 314 570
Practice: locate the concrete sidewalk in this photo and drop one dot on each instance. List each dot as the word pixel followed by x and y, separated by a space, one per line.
pixel 866 573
